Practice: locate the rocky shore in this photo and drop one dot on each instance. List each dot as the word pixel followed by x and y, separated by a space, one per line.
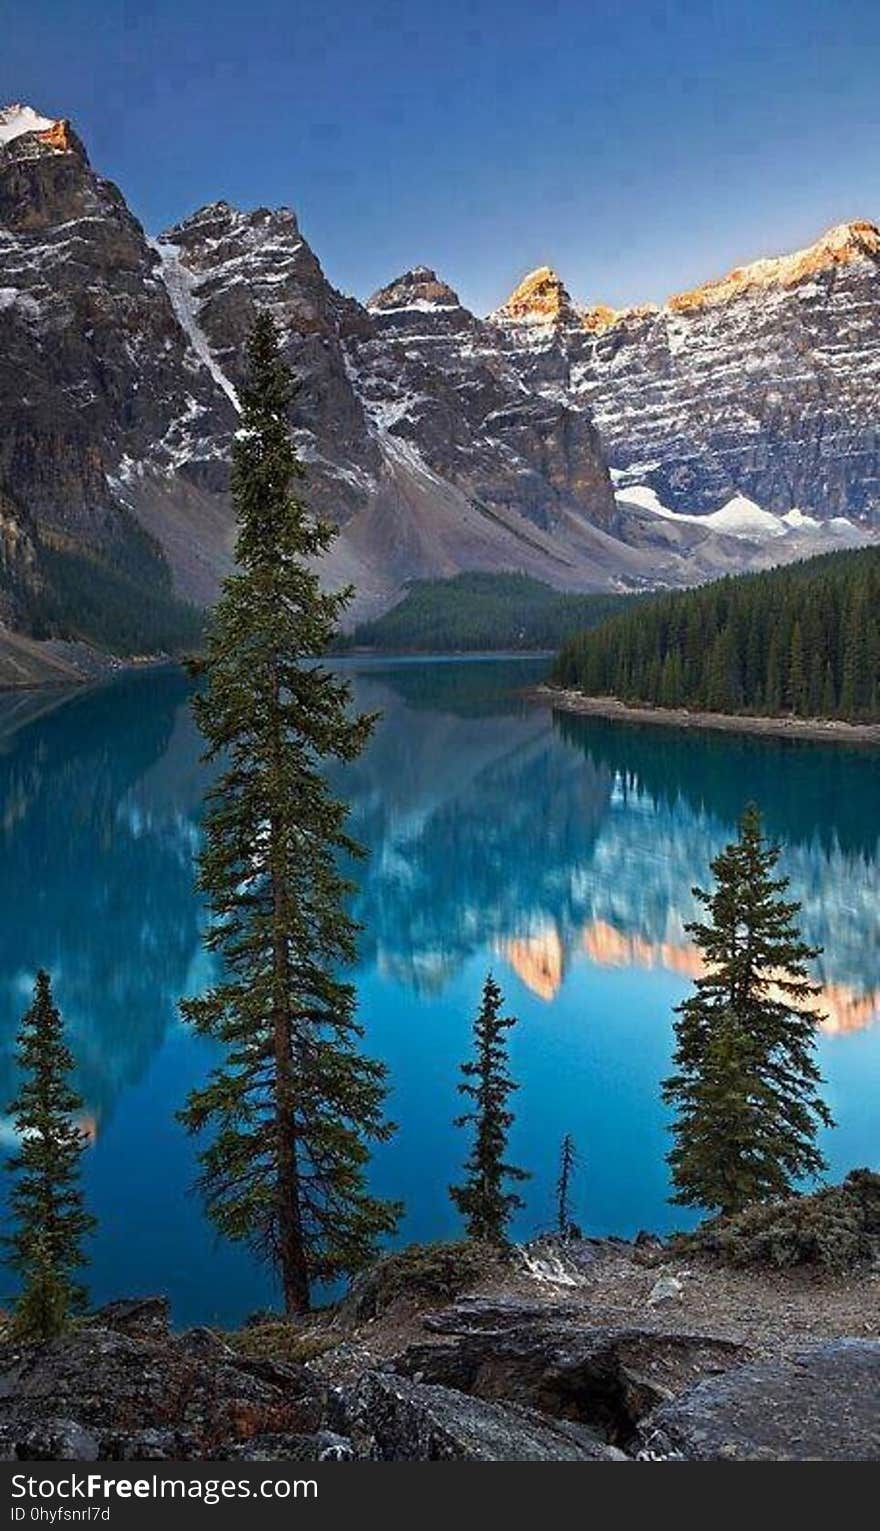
pixel 827 730
pixel 595 1350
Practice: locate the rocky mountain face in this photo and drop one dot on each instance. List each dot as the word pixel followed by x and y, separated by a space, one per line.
pixel 93 366
pixel 437 441
pixel 766 384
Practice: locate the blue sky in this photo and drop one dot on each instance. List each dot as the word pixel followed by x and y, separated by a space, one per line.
pixel 637 147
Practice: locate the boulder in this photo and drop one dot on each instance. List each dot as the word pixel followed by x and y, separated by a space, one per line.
pixel 395 1419
pixel 823 1406
pixel 50 1440
pixel 135 1391
pixel 665 1289
pixel 550 1359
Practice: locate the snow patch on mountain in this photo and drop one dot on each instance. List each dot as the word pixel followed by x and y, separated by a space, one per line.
pixel 799 521
pixel 742 517
pixel 17 119
pixel 180 286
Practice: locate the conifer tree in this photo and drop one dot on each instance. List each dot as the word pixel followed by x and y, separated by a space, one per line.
pixel 294 1106
pixel 746 1084
pixel 796 678
pixel 482 1199
pixel 46 1202
pixel 565 1224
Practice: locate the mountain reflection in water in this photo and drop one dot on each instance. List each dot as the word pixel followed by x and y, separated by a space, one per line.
pixel 562 851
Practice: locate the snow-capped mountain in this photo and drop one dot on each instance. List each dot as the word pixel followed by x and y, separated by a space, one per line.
pixel 437 440
pixel 765 383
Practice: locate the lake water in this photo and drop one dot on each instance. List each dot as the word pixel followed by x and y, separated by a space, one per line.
pixel 560 852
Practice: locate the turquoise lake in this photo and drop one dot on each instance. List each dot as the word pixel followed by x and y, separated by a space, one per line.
pixel 560 852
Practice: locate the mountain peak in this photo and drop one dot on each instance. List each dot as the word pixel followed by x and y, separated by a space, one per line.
pixel 838 246
pixel 420 287
pixel 18 119
pixel 600 318
pixel 540 298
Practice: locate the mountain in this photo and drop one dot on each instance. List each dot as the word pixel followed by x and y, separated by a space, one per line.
pixel 439 441
pixel 764 383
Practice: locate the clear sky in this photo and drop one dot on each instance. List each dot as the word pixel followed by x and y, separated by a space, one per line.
pixel 639 146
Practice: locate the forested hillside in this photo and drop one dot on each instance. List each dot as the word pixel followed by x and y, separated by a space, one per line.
pixel 87 598
pixel 485 611
pixel 803 639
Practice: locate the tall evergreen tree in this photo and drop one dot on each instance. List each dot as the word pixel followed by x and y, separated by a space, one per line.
pixel 46 1201
pixel 482 1199
pixel 294 1106
pixel 746 1084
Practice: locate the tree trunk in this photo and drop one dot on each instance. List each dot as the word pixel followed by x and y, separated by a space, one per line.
pixel 291 1243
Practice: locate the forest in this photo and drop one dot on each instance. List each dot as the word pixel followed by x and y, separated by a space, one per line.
pixel 484 611
pixel 802 640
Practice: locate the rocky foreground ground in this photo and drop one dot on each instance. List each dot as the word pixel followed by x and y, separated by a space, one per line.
pixel 594 1350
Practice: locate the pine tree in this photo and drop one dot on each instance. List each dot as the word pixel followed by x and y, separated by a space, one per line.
pixel 46 1202
pixel 482 1200
pixel 294 1106
pixel 797 690
pixel 565 1224
pixel 746 1082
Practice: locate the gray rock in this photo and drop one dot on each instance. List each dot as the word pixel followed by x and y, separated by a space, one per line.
pixel 147 1394
pixel 142 1317
pixel 202 1341
pixel 394 1419
pixel 665 1289
pixel 823 1406
pixel 323 1446
pixel 547 1358
pixel 795 428
pixel 50 1440
pixel 149 1446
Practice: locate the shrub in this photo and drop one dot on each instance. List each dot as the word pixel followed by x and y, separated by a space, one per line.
pixel 277 1339
pixel 422 1274
pixel 834 1229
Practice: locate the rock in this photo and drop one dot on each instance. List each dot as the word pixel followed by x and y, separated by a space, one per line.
pixel 139 1391
pixel 820 1407
pixel 394 1419
pixel 142 1317
pixel 150 1446
pixel 558 1262
pixel 665 1289
pixel 648 1242
pixel 324 1446
pixel 202 1341
pixel 547 1358
pixel 50 1440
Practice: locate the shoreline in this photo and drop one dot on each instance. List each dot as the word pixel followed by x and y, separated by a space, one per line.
pixel 816 730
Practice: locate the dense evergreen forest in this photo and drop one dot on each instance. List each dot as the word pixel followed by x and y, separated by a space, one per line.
pixel 126 610
pixel 485 611
pixel 803 639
